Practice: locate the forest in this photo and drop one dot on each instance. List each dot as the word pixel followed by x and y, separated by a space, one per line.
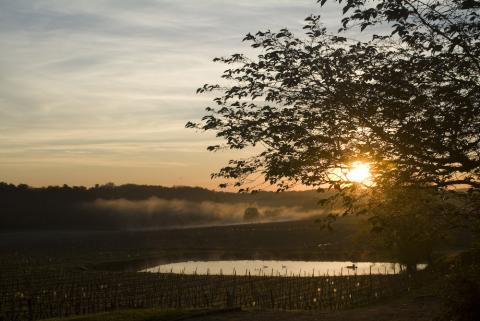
pixel 107 206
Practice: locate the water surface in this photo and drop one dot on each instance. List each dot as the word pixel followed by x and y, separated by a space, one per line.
pixel 276 268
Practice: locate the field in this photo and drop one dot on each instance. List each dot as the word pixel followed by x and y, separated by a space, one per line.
pixel 59 274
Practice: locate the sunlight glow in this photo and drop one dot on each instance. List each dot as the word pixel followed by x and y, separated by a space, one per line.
pixel 359 172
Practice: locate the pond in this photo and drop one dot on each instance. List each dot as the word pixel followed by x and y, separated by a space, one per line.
pixel 279 268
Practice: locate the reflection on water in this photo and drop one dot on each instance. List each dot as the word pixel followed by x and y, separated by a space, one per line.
pixel 279 268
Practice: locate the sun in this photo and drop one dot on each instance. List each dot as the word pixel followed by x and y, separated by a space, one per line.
pixel 359 172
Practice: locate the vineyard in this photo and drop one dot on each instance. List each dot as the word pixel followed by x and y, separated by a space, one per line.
pixel 51 292
pixel 50 275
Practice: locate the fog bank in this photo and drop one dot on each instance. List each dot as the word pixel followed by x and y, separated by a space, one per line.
pixel 157 212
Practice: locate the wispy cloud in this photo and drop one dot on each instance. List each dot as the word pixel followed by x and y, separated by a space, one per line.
pixel 115 80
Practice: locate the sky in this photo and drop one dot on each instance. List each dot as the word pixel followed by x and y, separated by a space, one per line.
pixel 98 91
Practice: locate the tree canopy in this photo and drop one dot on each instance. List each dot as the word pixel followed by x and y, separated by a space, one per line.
pixel 406 101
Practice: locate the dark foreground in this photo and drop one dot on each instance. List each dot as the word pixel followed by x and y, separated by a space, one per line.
pixel 60 274
pixel 410 308
pixel 406 309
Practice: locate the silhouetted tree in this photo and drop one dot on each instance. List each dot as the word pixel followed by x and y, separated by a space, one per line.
pixel 251 214
pixel 408 223
pixel 406 101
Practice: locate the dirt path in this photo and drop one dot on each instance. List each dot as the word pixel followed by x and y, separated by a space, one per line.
pixel 406 309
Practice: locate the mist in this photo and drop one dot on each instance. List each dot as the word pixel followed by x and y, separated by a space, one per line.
pixel 157 212
pixel 110 207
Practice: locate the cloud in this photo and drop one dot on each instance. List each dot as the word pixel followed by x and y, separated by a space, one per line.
pixel 115 80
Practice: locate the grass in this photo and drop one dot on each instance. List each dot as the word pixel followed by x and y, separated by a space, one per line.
pixel 154 314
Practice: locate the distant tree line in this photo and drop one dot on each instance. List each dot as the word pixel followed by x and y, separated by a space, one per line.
pixel 64 207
